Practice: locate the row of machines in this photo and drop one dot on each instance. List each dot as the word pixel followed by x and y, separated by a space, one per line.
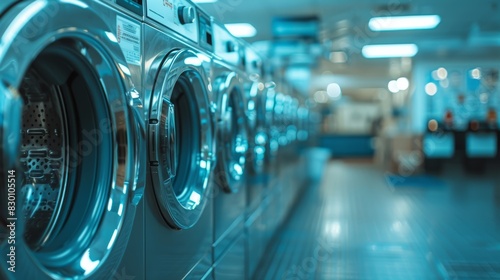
pixel 140 140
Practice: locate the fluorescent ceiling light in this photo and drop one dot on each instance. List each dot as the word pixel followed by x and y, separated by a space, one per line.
pixel 396 50
pixel 204 1
pixel 244 30
pixel 404 23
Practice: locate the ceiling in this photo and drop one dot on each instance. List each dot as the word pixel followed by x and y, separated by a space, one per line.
pixel 467 29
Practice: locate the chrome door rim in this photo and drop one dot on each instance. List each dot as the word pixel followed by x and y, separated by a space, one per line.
pixel 180 186
pixel 232 134
pixel 92 39
pixel 10 123
pixel 257 119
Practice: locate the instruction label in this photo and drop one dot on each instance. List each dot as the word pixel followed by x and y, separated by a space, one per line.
pixel 128 34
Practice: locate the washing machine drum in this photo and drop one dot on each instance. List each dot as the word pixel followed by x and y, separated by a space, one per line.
pixel 76 160
pixel 181 139
pixel 232 135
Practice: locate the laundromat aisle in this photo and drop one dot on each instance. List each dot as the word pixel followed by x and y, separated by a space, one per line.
pixel 354 225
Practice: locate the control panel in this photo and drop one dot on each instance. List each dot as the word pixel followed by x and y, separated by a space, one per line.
pixel 134 6
pixel 253 62
pixel 225 45
pixel 178 15
pixel 206 33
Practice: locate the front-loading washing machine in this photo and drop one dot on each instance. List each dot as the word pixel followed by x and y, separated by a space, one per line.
pixel 232 149
pixel 177 208
pixel 303 116
pixel 78 165
pixel 280 119
pixel 272 130
pixel 257 93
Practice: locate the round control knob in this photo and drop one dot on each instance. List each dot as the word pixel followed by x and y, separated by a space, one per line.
pixel 186 14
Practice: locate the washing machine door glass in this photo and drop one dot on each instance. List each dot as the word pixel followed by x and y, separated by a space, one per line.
pixel 181 139
pixel 231 133
pixel 76 160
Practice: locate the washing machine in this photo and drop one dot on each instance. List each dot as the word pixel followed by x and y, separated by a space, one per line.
pixel 78 172
pixel 256 111
pixel 273 131
pixel 275 116
pixel 259 123
pixel 232 148
pixel 177 208
pixel 303 116
pixel 292 110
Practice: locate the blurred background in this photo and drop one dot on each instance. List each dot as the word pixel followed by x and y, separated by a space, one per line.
pixel 405 96
pixel 433 77
pixel 255 139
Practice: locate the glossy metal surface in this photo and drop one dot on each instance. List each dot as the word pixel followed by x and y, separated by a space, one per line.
pixel 256 112
pixel 229 207
pixel 169 252
pixel 273 129
pixel 231 132
pixel 181 210
pixel 82 31
pixel 231 264
pixel 10 124
pixel 10 118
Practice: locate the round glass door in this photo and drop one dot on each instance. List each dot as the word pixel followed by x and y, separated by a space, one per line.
pixel 231 133
pixel 181 139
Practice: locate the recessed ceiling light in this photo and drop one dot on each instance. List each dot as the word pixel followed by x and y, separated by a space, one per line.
pixel 243 30
pixel 404 23
pixel 394 50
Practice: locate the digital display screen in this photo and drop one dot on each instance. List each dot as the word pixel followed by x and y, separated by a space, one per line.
pixel 134 6
pixel 209 38
pixel 206 32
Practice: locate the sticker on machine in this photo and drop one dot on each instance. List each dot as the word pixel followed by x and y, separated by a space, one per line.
pixel 128 34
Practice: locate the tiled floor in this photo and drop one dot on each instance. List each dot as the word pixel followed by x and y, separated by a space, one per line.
pixel 353 225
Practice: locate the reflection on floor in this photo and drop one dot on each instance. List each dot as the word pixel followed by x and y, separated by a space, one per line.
pixel 356 225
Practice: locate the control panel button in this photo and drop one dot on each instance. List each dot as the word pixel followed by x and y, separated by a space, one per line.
pixel 186 14
pixel 230 47
pixel 177 15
